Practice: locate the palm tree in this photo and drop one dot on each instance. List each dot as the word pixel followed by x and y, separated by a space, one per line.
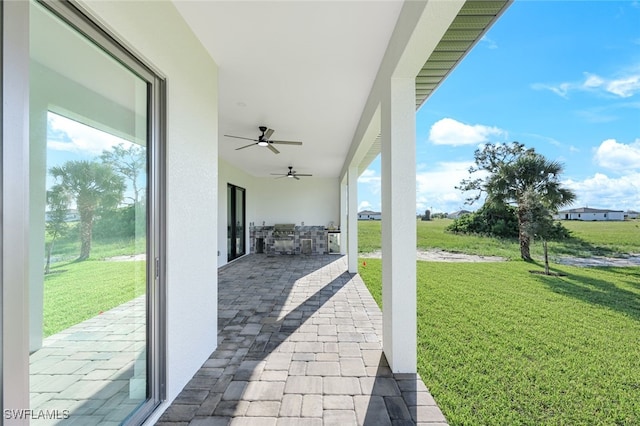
pixel 529 176
pixel 91 185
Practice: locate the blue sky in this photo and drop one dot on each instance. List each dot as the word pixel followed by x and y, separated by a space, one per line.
pixel 562 77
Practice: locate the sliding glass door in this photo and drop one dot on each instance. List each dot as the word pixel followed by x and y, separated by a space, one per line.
pixel 235 222
pixel 94 254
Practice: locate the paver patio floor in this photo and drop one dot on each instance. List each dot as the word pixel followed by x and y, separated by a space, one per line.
pixel 299 344
pixel 94 371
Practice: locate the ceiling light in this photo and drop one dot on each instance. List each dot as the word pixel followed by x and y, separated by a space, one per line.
pixel 263 143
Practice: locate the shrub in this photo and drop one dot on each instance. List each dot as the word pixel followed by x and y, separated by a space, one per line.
pixel 498 220
pixel 494 219
pixel 118 223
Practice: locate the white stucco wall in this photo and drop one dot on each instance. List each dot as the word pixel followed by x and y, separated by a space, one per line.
pixel 314 201
pixel 158 33
pixel 615 216
pixel 591 216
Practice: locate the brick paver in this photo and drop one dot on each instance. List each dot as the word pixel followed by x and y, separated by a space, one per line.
pixel 299 343
pixel 94 369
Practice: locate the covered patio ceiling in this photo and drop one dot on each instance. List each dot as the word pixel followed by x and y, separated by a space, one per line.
pixel 305 69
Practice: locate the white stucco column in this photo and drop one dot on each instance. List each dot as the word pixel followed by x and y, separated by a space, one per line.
pixel 343 216
pixel 352 219
pixel 399 225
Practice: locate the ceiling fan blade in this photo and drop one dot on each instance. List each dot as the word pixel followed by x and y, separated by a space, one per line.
pixel 275 151
pixel 240 137
pixel 272 148
pixel 296 177
pixel 287 142
pixel 280 177
pixel 246 146
pixel 278 174
pixel 298 174
pixel 268 133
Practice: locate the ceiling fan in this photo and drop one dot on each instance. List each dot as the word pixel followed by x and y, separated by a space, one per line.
pixel 291 174
pixel 264 140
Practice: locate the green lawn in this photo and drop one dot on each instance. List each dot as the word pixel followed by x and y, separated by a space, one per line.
pixel 74 292
pixel 498 345
pixel 588 239
pixel 77 291
pixel 68 249
pixel 432 235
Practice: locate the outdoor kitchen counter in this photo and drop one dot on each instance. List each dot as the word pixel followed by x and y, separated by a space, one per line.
pixel 289 239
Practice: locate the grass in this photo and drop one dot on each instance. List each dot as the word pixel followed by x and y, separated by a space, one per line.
pixel 69 249
pixel 588 239
pixel 500 346
pixel 432 235
pixel 77 291
pixel 601 238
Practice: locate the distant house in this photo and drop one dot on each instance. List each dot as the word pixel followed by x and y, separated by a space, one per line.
pixel 630 214
pixel 369 215
pixel 457 214
pixel 589 214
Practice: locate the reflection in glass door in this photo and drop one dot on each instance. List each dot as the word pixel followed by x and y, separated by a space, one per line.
pixel 235 222
pixel 91 246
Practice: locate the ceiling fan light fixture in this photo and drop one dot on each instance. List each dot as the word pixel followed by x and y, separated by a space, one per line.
pixel 263 143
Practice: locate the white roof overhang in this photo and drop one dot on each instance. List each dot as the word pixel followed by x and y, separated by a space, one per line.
pixel 468 26
pixel 308 68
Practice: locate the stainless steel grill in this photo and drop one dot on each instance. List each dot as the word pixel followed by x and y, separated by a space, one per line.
pixel 283 237
pixel 284 230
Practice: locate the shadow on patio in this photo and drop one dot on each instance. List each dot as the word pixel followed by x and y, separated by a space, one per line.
pixel 299 343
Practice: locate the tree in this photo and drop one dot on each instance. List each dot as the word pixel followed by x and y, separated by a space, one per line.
pixel 538 223
pixel 56 223
pixel 91 185
pixel 129 162
pixel 489 159
pixel 516 175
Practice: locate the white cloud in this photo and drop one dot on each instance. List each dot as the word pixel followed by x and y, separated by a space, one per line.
pixel 618 156
pixel 623 86
pixel 491 44
pixel 435 188
pixel 364 205
pixel 602 191
pixel 371 178
pixel 593 80
pixel 448 131
pixel 81 139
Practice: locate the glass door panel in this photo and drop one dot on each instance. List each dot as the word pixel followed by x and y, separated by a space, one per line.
pixel 88 222
pixel 235 222
pixel 230 222
pixel 239 222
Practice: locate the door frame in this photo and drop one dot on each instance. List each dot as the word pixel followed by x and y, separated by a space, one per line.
pixel 14 200
pixel 232 219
